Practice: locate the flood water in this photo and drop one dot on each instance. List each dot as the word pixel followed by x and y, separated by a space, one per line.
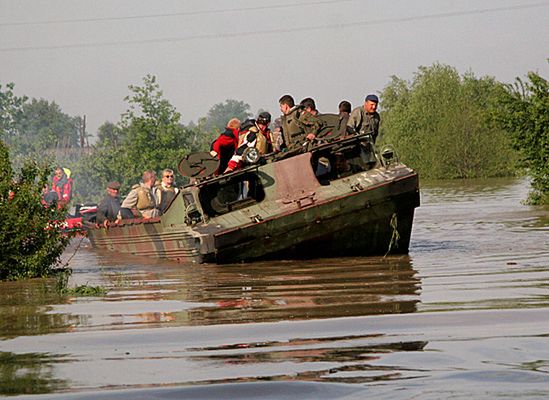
pixel 464 315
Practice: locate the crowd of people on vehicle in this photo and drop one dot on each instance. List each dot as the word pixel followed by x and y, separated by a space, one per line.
pixel 299 125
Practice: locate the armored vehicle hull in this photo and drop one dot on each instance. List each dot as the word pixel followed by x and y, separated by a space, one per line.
pixel 283 209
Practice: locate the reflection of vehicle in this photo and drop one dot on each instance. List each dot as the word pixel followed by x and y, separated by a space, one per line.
pixel 78 215
pixel 338 199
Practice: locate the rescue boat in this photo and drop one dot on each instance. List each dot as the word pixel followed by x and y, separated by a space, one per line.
pixel 342 198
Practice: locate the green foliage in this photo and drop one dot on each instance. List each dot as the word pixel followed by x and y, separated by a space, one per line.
pixel 221 113
pixel 78 291
pixel 440 123
pixel 524 111
pixel 149 136
pixel 10 111
pixel 31 243
pixel 43 125
pixel 37 129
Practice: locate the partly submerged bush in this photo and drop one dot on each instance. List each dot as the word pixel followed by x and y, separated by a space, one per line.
pixel 441 124
pixel 30 235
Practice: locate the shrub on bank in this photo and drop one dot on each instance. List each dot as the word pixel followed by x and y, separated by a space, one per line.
pixel 524 112
pixel 31 241
pixel 441 124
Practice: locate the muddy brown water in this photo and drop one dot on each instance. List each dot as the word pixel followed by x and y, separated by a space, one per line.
pixel 464 315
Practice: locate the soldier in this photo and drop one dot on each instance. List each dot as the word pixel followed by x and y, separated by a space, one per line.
pixel 141 200
pixel 107 210
pixel 291 128
pixel 309 118
pixel 365 119
pixel 166 191
pixel 344 109
pixel 297 124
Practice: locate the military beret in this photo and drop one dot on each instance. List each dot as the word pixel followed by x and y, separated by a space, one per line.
pixel 372 97
pixel 113 185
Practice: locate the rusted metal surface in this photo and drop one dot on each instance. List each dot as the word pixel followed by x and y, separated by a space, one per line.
pixel 279 210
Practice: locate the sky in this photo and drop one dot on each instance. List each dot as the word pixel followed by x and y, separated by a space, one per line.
pixel 84 54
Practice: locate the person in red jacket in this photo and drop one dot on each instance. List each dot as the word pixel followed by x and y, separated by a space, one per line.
pixel 225 145
pixel 62 185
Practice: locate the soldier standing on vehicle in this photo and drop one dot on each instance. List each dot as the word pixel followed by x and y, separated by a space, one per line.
pixel 297 123
pixel 365 119
pixel 292 130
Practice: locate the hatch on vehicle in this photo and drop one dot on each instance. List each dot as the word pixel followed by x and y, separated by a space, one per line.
pixel 233 193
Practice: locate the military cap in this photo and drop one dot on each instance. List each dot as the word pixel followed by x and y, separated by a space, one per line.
pixel 113 185
pixel 372 97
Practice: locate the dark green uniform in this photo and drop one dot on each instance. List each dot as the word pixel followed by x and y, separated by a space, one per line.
pixel 364 123
pixel 296 125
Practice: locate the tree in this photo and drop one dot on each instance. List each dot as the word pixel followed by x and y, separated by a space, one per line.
pixel 31 243
pixel 10 111
pixel 148 136
pixel 440 124
pixel 42 125
pixel 220 113
pixel 108 134
pixel 524 111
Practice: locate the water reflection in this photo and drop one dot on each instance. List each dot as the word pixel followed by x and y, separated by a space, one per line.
pixel 146 293
pixel 25 306
pixel 30 373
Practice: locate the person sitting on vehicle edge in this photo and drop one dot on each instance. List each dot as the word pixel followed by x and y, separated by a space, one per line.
pixel 365 119
pixel 108 208
pixel 166 190
pixel 141 200
pixel 225 145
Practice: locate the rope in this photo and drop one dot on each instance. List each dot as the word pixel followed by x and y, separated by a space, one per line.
pixel 64 266
pixel 395 237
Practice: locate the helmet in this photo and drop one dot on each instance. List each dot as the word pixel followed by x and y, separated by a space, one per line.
pixel 264 118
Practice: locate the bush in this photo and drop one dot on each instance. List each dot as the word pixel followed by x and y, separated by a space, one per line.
pixel 441 124
pixel 524 111
pixel 31 243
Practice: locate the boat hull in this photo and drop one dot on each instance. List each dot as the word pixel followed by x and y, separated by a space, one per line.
pixel 376 221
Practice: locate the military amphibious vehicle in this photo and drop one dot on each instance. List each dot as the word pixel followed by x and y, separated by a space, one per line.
pixel 342 198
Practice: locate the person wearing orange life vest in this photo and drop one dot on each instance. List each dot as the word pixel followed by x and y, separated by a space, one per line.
pixel 62 185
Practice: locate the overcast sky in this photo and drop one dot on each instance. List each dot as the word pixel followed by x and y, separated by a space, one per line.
pixel 83 54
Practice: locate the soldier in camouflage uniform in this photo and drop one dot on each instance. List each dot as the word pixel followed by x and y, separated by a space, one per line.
pixel 297 124
pixel 365 119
